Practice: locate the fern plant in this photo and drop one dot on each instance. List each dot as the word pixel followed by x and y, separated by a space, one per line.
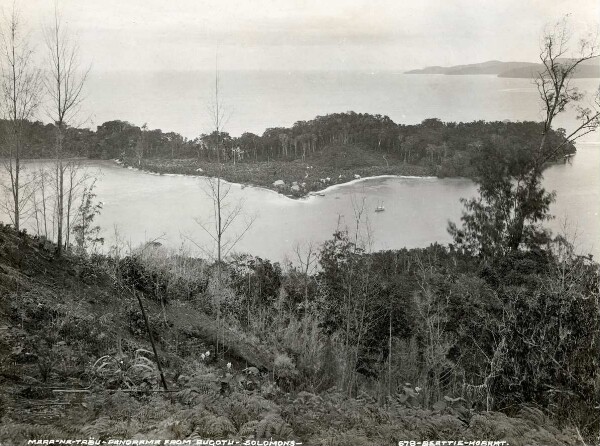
pixel 101 428
pixel 216 426
pixel 273 427
pixel 248 430
pixel 122 371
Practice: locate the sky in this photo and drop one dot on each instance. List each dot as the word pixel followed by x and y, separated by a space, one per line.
pixel 117 35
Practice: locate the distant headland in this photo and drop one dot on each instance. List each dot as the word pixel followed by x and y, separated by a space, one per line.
pixel 588 69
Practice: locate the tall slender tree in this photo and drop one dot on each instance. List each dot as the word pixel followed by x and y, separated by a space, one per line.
pixel 558 94
pixel 225 210
pixel 64 86
pixel 512 203
pixel 218 117
pixel 20 97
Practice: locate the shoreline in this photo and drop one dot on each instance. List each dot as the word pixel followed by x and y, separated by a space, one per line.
pixel 359 180
pixel 302 192
pixel 304 197
pixel 185 175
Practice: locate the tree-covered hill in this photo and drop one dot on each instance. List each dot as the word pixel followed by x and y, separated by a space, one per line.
pixel 339 147
pixel 448 147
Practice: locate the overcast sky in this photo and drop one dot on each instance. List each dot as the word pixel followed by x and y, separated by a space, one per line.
pixel 305 34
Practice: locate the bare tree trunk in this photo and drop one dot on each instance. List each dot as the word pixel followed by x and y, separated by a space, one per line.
pixel 44 205
pixel 162 376
pixel 64 86
pixel 17 187
pixel 19 97
pixel 390 356
pixel 60 177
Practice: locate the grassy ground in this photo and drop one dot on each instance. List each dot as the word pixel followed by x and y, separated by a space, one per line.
pixel 75 363
pixel 333 165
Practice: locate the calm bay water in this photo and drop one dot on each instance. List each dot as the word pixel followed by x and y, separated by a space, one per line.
pixel 143 206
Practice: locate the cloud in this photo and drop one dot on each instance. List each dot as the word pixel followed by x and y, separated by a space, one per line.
pixel 303 30
pixel 307 34
pixel 314 32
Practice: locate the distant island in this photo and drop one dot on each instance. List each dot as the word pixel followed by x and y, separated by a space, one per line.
pixel 588 69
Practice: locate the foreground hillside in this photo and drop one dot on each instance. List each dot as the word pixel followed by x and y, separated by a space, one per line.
pixel 75 363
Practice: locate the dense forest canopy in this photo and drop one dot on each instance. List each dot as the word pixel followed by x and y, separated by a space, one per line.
pixel 451 148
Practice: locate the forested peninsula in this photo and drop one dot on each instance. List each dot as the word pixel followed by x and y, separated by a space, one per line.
pixel 308 156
